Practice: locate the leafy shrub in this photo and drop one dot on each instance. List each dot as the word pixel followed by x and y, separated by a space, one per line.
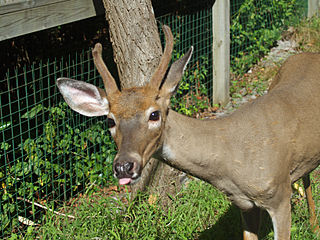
pixel 255 27
pixel 192 94
pixel 62 159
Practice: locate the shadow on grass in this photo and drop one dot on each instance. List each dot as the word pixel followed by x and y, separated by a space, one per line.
pixel 229 226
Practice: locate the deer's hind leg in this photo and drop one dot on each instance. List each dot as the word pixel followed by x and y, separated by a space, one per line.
pixel 251 221
pixel 312 209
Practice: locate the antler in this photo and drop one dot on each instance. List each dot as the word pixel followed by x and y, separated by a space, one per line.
pixel 165 59
pixel 108 81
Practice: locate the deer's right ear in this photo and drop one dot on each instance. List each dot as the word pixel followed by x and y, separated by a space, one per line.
pixel 83 97
pixel 175 74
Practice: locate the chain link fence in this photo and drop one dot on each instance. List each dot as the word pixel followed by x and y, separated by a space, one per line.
pixel 49 154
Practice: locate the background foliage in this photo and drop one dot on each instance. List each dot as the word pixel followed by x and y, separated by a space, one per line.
pixel 257 25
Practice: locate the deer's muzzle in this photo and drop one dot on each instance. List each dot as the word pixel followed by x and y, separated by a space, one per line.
pixel 126 168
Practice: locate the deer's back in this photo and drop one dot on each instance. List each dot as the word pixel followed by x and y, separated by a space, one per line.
pixel 281 130
pixel 299 84
pixel 290 113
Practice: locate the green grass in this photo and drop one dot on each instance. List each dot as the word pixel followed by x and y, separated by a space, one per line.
pixel 191 214
pixel 199 211
pixel 307 34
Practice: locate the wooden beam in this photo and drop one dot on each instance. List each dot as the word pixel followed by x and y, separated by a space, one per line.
pixel 221 51
pixel 23 17
pixel 8 6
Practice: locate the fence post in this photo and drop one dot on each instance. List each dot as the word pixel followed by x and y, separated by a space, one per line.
pixel 221 51
pixel 313 7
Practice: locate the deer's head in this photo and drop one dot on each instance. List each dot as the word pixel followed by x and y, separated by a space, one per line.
pixel 136 116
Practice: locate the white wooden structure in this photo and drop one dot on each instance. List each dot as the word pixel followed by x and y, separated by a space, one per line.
pixel 221 51
pixel 313 7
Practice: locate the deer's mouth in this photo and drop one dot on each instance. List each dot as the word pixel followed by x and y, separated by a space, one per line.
pixel 128 181
pixel 125 181
pixel 127 169
pixel 128 178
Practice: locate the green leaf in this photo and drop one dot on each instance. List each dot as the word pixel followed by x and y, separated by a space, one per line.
pixel 33 112
pixel 4 125
pixel 5 146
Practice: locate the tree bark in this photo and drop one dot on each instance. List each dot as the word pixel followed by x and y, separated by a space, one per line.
pixel 137 50
pixel 135 40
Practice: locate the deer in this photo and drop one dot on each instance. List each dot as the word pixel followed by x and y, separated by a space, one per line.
pixel 253 155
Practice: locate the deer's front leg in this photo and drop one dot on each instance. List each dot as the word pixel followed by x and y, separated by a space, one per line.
pixel 280 212
pixel 251 223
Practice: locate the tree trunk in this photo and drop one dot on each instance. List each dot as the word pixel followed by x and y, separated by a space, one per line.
pixel 137 51
pixel 135 40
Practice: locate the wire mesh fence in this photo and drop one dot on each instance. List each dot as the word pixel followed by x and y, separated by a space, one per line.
pixel 193 30
pixel 49 153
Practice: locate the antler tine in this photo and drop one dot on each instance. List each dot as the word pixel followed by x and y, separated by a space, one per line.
pixel 108 81
pixel 165 59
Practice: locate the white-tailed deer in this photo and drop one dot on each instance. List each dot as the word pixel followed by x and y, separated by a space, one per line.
pixel 252 155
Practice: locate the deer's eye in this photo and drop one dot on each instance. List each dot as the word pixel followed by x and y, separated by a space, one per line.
pixel 154 116
pixel 111 123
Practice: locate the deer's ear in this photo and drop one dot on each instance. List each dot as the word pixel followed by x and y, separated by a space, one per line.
pixel 175 74
pixel 84 98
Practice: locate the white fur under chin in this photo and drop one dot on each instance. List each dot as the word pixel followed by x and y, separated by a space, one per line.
pixel 167 152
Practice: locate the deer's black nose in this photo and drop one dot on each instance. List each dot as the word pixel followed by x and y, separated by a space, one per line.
pixel 123 169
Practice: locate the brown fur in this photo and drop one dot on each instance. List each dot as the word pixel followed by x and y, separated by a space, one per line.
pixel 131 101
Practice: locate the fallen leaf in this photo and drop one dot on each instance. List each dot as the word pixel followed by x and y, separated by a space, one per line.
pixel 152 199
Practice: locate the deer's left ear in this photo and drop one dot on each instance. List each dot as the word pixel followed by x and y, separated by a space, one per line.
pixel 83 97
pixel 175 74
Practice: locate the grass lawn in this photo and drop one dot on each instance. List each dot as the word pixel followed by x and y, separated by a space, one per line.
pixel 199 211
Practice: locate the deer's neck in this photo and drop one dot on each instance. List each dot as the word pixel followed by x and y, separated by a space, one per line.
pixel 196 146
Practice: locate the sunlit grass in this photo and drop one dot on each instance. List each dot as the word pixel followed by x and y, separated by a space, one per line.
pixel 307 34
pixel 199 211
pixel 195 209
